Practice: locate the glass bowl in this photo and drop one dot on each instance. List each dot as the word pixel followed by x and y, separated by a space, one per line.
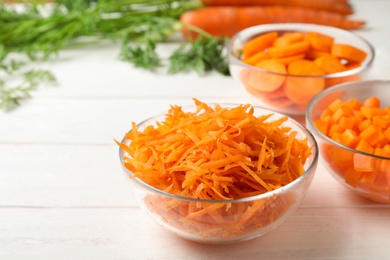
pixel 224 221
pixel 341 161
pixel 294 91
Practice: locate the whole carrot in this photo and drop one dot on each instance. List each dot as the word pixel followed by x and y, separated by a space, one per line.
pixel 226 21
pixel 338 6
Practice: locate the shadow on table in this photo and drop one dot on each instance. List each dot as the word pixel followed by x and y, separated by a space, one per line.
pixel 308 234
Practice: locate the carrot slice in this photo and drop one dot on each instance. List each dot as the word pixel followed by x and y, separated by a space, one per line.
pixel 329 64
pixel 289 50
pixel 319 41
pixel 314 54
pixel 302 89
pixel 348 52
pixel 308 55
pixel 256 58
pixel 288 38
pixel 259 43
pixel 289 59
pixel 266 81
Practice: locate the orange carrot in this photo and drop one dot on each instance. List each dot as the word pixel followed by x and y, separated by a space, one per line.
pixel 330 64
pixel 256 58
pixel 338 6
pixel 314 54
pixel 348 52
pixel 265 81
pixel 227 21
pixel 292 49
pixel 372 102
pixel 259 43
pixel 288 38
pixel 289 59
pixel 364 127
pixel 198 153
pixel 305 54
pixel 216 153
pixel 319 41
pixel 302 89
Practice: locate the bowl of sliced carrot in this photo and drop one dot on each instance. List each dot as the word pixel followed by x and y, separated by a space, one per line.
pixel 219 173
pixel 283 66
pixel 351 123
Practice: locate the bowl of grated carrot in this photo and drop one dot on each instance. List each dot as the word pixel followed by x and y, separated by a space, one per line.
pixel 219 173
pixel 283 66
pixel 351 123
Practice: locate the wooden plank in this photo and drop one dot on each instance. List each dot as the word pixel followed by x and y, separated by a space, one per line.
pixel 84 120
pixel 91 175
pixel 117 233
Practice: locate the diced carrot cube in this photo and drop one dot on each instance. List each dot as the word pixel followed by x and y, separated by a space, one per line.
pixel 386 133
pixel 363 163
pixel 381 121
pixel 347 122
pixel 349 138
pixel 335 105
pixel 322 126
pixel 352 177
pixel 363 146
pixel 372 102
pixel 364 124
pixel 371 112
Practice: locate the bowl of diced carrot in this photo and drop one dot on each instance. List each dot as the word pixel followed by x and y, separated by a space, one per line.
pixel 283 66
pixel 219 173
pixel 351 123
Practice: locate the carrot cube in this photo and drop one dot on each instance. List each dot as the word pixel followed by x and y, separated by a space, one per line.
pixel 363 146
pixel 335 105
pixel 386 133
pixel 349 138
pixel 363 163
pixel 381 121
pixel 352 177
pixel 322 126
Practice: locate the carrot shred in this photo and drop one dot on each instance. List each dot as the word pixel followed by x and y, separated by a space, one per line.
pixel 200 149
pixel 216 153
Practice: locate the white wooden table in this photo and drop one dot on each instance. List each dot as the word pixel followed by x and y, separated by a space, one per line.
pixel 63 194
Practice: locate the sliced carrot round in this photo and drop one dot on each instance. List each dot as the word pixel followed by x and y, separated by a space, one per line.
pixel 302 89
pixel 319 41
pixel 289 50
pixel 265 81
pixel 256 58
pixel 259 43
pixel 288 38
pixel 348 52
pixel 330 64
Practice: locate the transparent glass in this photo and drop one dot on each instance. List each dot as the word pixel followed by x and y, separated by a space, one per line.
pixel 338 159
pixel 282 100
pixel 225 221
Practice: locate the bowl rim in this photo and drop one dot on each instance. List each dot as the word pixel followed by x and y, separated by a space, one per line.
pixel 309 171
pixel 304 27
pixel 340 87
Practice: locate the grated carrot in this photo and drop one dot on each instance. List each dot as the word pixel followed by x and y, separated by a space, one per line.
pixel 216 153
pixel 220 142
